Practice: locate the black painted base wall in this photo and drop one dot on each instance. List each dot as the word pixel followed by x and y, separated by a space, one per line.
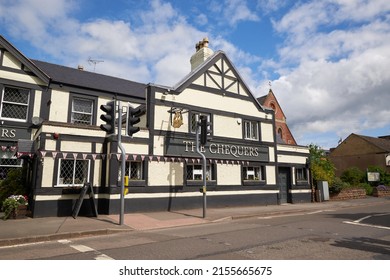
pixel 107 206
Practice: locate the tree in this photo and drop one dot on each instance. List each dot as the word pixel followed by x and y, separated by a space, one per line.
pixel 322 169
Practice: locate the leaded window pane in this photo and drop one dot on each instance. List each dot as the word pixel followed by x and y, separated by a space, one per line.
pixel 73 172
pixel 253 173
pixel 134 170
pixel 195 172
pixel 82 110
pixel 15 103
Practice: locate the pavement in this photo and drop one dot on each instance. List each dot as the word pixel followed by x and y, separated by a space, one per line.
pixel 30 230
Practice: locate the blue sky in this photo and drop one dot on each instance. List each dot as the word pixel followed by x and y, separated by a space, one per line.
pixel 327 60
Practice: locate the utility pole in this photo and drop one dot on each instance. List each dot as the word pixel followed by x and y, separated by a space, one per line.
pixel 203 127
pixel 123 166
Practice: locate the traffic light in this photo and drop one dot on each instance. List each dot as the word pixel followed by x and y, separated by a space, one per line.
pixel 132 120
pixel 205 130
pixel 108 117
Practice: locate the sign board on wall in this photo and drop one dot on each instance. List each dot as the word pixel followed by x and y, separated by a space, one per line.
pixel 373 176
pixel 216 150
pixel 12 133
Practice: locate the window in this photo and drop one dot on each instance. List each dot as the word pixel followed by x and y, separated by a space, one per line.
pixel 82 110
pixel 134 170
pixel 14 103
pixel 301 174
pixel 251 130
pixel 194 172
pixel 73 172
pixel 195 118
pixel 7 164
pixel 253 173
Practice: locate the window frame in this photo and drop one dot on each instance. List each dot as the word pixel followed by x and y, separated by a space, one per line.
pixel 262 178
pixel 128 170
pixel 260 173
pixel 72 112
pixel 2 102
pixel 191 120
pixel 248 126
pixel 210 170
pixel 301 171
pixel 61 160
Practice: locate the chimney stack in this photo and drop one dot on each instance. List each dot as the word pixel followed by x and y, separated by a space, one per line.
pixel 203 52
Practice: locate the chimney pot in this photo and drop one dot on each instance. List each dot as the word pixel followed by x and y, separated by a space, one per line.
pixel 203 52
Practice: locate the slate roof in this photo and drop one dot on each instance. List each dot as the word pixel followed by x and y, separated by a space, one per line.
pixel 261 99
pixel 381 143
pixel 89 80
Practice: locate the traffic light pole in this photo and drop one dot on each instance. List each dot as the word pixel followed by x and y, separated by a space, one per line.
pixel 123 166
pixel 204 188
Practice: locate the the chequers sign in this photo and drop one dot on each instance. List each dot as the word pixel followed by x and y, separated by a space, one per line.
pixel 216 150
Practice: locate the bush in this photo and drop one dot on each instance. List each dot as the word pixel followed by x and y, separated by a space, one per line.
pixel 13 184
pixel 353 176
pixel 369 189
pixel 338 185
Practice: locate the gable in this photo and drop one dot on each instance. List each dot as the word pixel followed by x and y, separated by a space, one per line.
pixel 356 145
pixel 14 59
pixel 221 76
pixel 217 76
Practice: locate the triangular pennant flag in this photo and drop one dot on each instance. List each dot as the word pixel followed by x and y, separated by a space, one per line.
pixel 150 158
pixel 43 153
pixel 64 155
pixel 165 159
pixel 84 156
pixel 3 148
pixel 158 158
pixel 118 156
pixel 134 157
pixel 173 159
pixel 13 148
pixel 74 155
pixel 94 156
pixel 54 154
pixel 186 159
pixel 142 157
pixel 103 156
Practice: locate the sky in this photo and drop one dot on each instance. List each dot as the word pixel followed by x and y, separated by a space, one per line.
pixel 327 61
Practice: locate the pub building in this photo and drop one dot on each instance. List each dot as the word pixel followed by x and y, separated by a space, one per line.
pixel 49 118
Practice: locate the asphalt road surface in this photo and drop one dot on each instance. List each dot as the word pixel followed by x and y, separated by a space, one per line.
pixel 345 234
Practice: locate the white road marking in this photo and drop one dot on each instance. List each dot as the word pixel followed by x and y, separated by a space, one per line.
pixel 84 249
pixel 365 225
pixel 103 257
pixel 359 221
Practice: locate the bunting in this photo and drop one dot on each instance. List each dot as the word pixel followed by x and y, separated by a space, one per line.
pixel 133 157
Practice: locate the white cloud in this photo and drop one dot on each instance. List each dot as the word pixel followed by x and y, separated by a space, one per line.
pixel 232 12
pixel 136 52
pixel 332 66
pixel 339 78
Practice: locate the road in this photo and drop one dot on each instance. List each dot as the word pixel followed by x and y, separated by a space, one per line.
pixel 345 234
